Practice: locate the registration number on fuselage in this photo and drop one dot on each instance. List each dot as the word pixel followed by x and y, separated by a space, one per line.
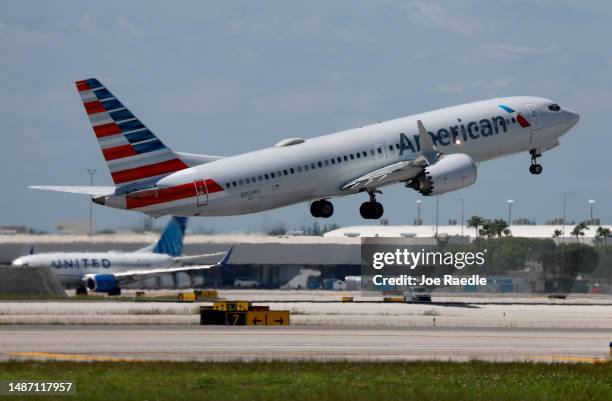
pixel 250 194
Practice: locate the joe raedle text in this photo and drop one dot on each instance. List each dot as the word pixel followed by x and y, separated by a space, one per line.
pixel 423 280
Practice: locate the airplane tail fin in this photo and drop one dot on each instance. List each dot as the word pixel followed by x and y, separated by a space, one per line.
pixel 171 240
pixel 133 153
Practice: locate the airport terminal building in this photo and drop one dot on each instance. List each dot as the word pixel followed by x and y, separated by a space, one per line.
pixel 268 261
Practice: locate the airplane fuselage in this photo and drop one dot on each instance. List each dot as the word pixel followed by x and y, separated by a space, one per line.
pixel 304 170
pixel 71 267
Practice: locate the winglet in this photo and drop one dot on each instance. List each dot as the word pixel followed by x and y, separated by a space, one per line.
pixel 225 259
pixel 428 149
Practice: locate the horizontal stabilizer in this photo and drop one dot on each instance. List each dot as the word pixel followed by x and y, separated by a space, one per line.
pixel 93 191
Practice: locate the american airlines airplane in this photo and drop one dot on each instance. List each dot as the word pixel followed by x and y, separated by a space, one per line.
pixel 108 271
pixel 433 153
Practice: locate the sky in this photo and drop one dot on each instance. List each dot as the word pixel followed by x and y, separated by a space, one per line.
pixel 224 78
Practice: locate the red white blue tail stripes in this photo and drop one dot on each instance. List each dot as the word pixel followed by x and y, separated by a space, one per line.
pixel 133 153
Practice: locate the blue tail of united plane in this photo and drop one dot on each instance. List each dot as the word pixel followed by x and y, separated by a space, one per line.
pixel 171 240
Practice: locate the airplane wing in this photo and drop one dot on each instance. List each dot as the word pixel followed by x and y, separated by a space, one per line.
pixel 93 191
pixel 131 276
pixel 119 279
pixel 188 258
pixel 400 171
pixel 393 173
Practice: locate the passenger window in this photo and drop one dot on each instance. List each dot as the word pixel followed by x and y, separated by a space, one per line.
pixel 246 180
pixel 345 158
pixel 285 171
pixel 241 182
pixel 391 148
pixel 352 157
pixel 260 178
pixel 292 170
pixel 299 169
pixel 372 152
pixel 312 166
pixel 320 164
pixel 513 120
pixel 234 183
pixel 365 153
pixel 358 155
pixel 267 177
pixel 333 161
pixel 379 150
pixel 397 146
pixel 227 185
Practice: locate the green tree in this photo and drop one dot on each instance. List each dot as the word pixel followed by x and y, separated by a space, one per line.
pixel 557 233
pixel 475 222
pixel 602 234
pixel 578 231
pixel 498 226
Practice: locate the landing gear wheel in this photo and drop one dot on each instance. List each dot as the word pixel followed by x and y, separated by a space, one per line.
pixel 378 210
pixel 322 208
pixel 327 209
pixel 371 210
pixel 366 210
pixel 81 291
pixel 114 291
pixel 315 209
pixel 535 169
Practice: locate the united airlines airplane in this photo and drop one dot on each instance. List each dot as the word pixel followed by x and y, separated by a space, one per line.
pixel 108 271
pixel 433 153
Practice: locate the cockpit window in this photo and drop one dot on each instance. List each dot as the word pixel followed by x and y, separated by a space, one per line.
pixel 554 107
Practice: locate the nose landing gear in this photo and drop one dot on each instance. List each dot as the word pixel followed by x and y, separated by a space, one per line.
pixel 372 210
pixel 322 208
pixel 535 168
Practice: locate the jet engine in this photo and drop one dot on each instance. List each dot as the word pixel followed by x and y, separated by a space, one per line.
pixel 450 173
pixel 102 283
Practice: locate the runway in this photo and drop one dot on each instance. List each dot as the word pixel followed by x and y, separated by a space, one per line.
pixel 191 343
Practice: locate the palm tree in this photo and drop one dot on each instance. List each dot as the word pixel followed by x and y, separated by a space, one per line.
pixel 557 233
pixel 475 222
pixel 603 233
pixel 578 231
pixel 498 226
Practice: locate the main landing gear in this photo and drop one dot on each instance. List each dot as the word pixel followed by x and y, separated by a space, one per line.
pixel 372 210
pixel 322 208
pixel 535 168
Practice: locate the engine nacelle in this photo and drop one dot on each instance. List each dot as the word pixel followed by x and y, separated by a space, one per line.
pixel 448 174
pixel 102 283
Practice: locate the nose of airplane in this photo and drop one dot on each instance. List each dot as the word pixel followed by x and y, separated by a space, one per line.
pixel 572 116
pixel 17 262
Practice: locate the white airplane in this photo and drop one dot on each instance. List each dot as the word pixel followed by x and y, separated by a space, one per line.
pixel 108 271
pixel 153 179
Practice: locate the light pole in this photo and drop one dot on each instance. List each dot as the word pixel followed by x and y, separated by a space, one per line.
pixel 437 204
pixel 462 200
pixel 418 221
pixel 591 203
pixel 510 202
pixel 91 173
pixel 565 195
